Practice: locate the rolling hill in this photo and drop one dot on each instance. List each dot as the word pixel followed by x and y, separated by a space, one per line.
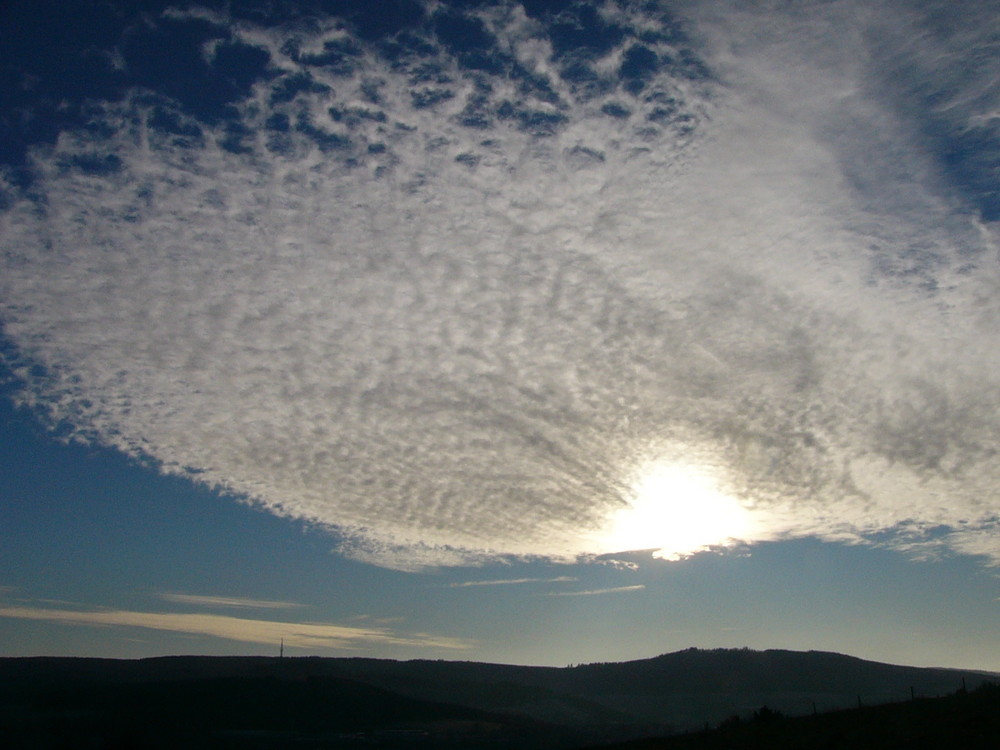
pixel 346 702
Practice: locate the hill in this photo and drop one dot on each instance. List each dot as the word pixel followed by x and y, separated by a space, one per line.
pixel 251 701
pixel 966 719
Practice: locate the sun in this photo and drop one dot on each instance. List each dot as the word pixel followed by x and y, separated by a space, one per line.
pixel 677 510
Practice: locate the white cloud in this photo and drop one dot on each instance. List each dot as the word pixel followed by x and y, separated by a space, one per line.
pixel 226 601
pixel 598 592
pixel 270 632
pixel 471 343
pixel 510 582
pixel 616 564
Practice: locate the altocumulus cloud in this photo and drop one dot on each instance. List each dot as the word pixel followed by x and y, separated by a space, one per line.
pixel 453 289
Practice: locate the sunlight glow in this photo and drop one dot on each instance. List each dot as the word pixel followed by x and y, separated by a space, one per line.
pixel 678 511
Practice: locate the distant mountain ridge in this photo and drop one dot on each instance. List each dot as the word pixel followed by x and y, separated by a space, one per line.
pixel 606 701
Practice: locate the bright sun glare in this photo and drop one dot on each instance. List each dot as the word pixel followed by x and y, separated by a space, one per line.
pixel 677 510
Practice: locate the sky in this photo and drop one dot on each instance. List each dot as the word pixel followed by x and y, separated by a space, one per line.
pixel 538 331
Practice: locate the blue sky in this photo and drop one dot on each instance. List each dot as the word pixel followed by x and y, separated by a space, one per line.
pixel 542 332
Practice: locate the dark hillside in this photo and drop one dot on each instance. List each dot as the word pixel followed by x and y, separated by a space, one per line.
pixel 253 712
pixel 521 706
pixel 739 670
pixel 965 720
pixel 680 690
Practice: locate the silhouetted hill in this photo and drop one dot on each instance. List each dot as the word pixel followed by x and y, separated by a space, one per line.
pixel 110 705
pixel 458 704
pixel 966 720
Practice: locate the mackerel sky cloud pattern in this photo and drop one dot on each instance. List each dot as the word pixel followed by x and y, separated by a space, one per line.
pixel 449 285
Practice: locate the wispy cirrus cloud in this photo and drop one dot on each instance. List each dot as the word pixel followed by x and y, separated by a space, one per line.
pixel 244 630
pixel 510 582
pixel 226 601
pixel 483 303
pixel 599 592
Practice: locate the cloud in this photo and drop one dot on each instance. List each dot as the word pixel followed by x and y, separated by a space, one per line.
pixel 510 582
pixel 295 634
pixel 616 564
pixel 379 620
pixel 226 601
pixel 598 592
pixel 457 307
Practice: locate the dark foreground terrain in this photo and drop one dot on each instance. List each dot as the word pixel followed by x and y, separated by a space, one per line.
pixel 250 703
pixel 962 721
